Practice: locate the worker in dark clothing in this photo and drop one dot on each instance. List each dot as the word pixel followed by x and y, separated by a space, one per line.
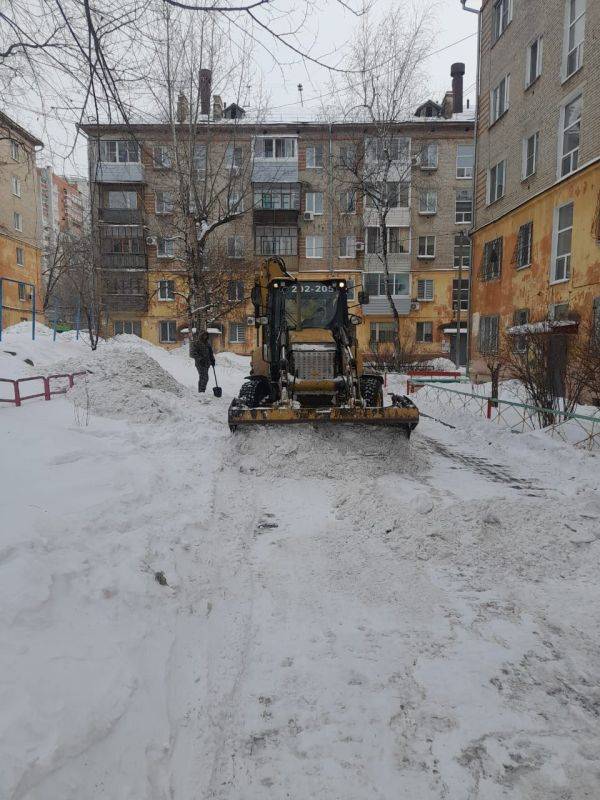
pixel 202 353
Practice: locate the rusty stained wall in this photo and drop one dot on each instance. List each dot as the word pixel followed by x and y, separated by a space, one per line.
pixel 530 287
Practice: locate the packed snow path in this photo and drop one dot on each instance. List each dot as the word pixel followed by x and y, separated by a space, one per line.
pixel 346 616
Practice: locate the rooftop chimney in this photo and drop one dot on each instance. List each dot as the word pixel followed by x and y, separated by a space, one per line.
pixel 205 84
pixel 457 71
pixel 217 106
pixel 183 108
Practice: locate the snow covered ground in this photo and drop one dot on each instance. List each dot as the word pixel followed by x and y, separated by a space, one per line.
pixel 345 616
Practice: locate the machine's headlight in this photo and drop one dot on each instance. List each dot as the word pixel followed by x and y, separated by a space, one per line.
pixel 276 285
pixel 342 284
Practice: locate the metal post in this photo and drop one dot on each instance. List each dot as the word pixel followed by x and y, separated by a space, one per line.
pixel 78 319
pixel 54 330
pixel 1 304
pixel 33 311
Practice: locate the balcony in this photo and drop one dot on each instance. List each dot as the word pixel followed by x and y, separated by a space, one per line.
pixel 123 261
pixel 275 216
pixel 114 172
pixel 396 261
pixel 120 216
pixel 124 291
pixel 120 301
pixel 381 305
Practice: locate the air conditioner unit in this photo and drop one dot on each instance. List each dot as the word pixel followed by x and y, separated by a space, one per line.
pixel 359 247
pixel 250 320
pixel 151 240
pixel 414 306
pixel 308 216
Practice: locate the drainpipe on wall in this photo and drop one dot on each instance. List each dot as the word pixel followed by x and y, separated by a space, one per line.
pixel 477 88
pixel 330 177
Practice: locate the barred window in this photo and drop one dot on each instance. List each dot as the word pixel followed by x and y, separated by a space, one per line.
pixel 523 249
pixel 488 335
pixel 492 260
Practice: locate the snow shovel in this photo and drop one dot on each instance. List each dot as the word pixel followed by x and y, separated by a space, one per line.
pixel 217 391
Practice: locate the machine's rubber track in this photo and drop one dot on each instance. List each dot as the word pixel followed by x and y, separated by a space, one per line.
pixel 372 391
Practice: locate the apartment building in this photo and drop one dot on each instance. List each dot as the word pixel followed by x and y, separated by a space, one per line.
pixel 63 208
pixel 297 194
pixel 20 228
pixel 536 232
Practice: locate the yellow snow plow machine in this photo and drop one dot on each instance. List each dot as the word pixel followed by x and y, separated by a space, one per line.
pixel 306 365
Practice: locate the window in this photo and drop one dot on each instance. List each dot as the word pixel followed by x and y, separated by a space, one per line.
pixel 276 195
pixel 492 259
pixel 501 16
pixel 563 235
pixel 166 290
pixel 464 206
pixel 165 248
pixel 530 154
pixel 398 240
pixel 425 289
pixel 20 257
pixel 119 151
pixel 464 294
pixel 17 221
pixel 275 148
pixel 348 247
pixel 373 240
pixel 429 156
pixel 499 99
pixel 199 158
pixel 235 202
pixel 235 291
pixel 348 202
pixel 163 202
pixel 233 156
pixel 122 200
pixel 386 149
pixel 376 286
pixel 428 202
pixel 132 326
pixel 496 182
pixel 465 157
pixel 235 247
pixel 22 292
pixel 168 331
pixel 314 202
pixel 314 156
pixel 462 252
pixel 426 246
pixel 574 36
pixel 524 239
pixel 391 194
pixel 571 135
pixel 16 186
pixel 488 335
pixel 382 333
pixel 276 241
pixel 533 63
pixel 521 317
pixel 161 156
pixel 14 150
pixel 347 156
pixel 237 333
pixel 424 332
pixel 314 247
pixel 558 311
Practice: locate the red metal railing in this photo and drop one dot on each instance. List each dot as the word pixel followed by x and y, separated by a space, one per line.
pixel 47 392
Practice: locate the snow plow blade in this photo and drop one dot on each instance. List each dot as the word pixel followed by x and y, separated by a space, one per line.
pixel 403 416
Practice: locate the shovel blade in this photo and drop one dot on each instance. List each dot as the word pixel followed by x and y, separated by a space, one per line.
pixel 217 391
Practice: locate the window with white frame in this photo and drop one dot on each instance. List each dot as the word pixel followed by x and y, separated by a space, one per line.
pixel 462 252
pixel 499 99
pixel 501 16
pixel 22 292
pixel 20 257
pixel 120 151
pixel 530 154
pixel 387 149
pixel 533 62
pixel 235 291
pixel 276 148
pixel 426 247
pixel 348 202
pixel 166 290
pixel 314 202
pixel 17 221
pixel 464 206
pixel 489 328
pixel 131 326
pixel 237 333
pixel 398 240
pixel 425 289
pixel 314 156
pixel 563 239
pixel 496 181
pixel 314 247
pixel 168 331
pixel 347 246
pixel 465 158
pixel 165 248
pixel 235 247
pixel 199 158
pixel 233 156
pixel 570 139
pixel 161 156
pixel 382 333
pixel 428 202
pixel 424 332
pixel 163 202
pixel 524 245
pixel 429 156
pixel 375 284
pixel 16 186
pixel 14 150
pixel 574 36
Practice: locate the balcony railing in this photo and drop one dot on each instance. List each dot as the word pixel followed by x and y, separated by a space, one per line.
pixel 124 261
pixel 114 172
pixel 120 216
pixel 125 302
pixel 278 246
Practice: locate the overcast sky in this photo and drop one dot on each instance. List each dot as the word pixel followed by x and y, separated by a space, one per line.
pixel 328 33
